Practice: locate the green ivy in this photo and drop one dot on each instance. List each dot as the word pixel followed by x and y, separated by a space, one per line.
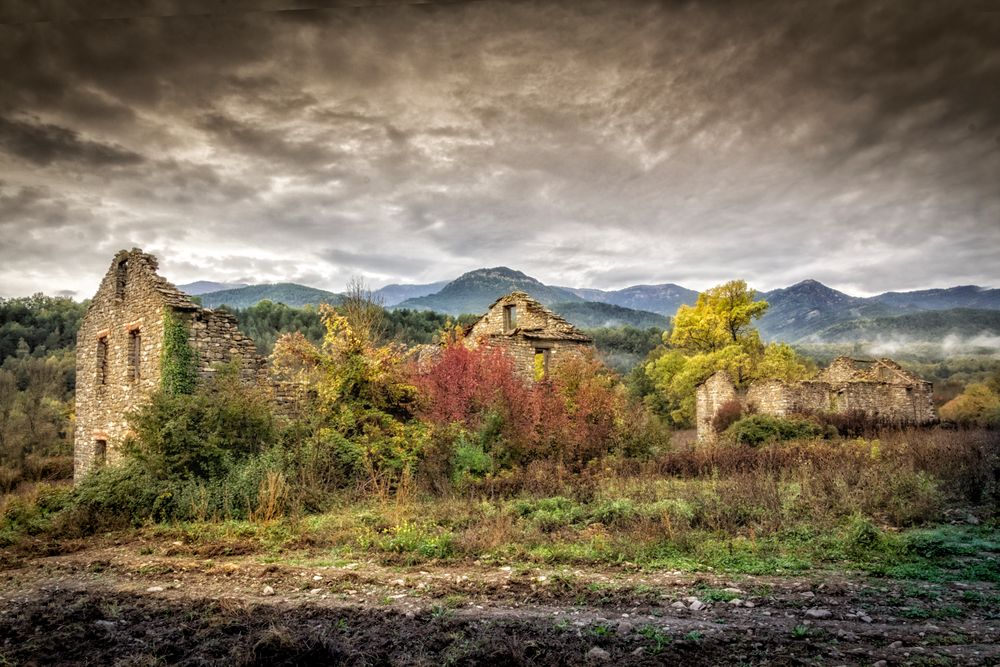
pixel 178 361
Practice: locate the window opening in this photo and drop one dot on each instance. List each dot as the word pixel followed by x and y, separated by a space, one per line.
pixel 541 362
pixel 102 360
pixel 509 318
pixel 100 451
pixel 134 355
pixel 120 275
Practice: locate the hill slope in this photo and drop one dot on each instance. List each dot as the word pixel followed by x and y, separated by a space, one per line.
pixel 289 294
pixel 591 315
pixel 473 292
pixel 205 286
pixel 809 306
pixel 923 327
pixel 965 296
pixel 663 299
pixel 395 293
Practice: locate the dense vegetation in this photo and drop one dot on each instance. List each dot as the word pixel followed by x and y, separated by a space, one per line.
pixel 38 324
pixel 37 380
pixel 459 458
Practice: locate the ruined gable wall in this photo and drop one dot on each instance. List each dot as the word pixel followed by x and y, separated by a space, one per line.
pixel 100 408
pixel 492 322
pixel 709 397
pixel 841 369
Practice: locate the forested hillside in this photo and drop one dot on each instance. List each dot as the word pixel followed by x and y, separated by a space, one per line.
pixel 289 294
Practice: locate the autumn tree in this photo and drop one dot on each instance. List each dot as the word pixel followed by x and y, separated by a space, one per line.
pixel 364 399
pixel 363 311
pixel 721 317
pixel 717 334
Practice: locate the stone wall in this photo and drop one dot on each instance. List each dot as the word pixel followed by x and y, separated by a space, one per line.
pixel 522 351
pixel 709 397
pixel 216 338
pixel 880 389
pixel 535 329
pixel 530 315
pixel 113 314
pixel 133 298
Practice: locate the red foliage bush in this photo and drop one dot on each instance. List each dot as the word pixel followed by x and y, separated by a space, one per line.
pixel 728 414
pixel 465 385
pixel 578 414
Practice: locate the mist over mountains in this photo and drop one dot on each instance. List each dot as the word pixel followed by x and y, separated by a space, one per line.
pixel 806 312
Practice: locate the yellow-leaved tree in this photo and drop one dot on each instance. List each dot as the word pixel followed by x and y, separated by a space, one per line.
pixel 363 403
pixel 715 334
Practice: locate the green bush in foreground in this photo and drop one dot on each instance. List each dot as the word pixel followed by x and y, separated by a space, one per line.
pixel 760 429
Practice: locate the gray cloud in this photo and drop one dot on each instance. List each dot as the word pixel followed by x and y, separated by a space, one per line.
pixel 43 144
pixel 592 143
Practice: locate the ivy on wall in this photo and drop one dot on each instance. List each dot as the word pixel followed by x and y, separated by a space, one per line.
pixel 178 361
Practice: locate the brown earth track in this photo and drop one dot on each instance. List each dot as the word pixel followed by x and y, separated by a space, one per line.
pixel 121 604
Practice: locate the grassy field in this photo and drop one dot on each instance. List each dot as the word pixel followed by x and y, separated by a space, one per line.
pixel 793 553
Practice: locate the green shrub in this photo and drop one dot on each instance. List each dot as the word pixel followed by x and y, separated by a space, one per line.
pixel 118 496
pixel 469 460
pixel 550 514
pixel 425 541
pixel 619 513
pixel 863 537
pixel 756 430
pixel 201 434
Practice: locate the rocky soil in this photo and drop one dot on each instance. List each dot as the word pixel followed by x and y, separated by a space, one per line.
pixel 145 603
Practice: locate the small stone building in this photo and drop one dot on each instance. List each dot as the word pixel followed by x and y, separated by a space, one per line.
pixel 880 389
pixel 119 347
pixel 529 332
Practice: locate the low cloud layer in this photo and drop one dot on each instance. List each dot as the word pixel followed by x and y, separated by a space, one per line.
pixel 591 144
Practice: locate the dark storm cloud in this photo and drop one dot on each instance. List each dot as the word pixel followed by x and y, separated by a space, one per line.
pixel 591 143
pixel 42 144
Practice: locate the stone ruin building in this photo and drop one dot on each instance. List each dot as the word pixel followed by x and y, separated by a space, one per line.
pixel 119 347
pixel 121 341
pixel 880 389
pixel 530 333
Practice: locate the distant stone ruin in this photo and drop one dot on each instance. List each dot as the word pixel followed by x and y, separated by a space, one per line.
pixel 120 344
pixel 880 389
pixel 530 333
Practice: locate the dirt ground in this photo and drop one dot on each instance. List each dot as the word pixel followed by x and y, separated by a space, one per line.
pixel 145 603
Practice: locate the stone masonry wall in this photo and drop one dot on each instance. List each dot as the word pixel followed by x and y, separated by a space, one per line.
pixel 216 338
pixel 135 298
pixel 709 397
pixel 534 328
pixel 883 392
pixel 492 322
pixel 112 314
pixel 522 351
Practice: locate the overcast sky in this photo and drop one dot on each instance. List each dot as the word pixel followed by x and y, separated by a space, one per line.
pixel 588 144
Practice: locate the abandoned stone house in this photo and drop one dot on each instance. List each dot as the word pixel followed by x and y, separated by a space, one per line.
pixel 119 347
pixel 880 389
pixel 530 333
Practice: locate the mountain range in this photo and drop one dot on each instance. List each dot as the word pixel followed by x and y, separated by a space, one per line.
pixel 805 312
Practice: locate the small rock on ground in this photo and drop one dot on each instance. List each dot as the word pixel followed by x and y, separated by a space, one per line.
pixel 598 654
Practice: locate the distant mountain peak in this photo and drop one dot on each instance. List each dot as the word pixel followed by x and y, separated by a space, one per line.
pixel 473 291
